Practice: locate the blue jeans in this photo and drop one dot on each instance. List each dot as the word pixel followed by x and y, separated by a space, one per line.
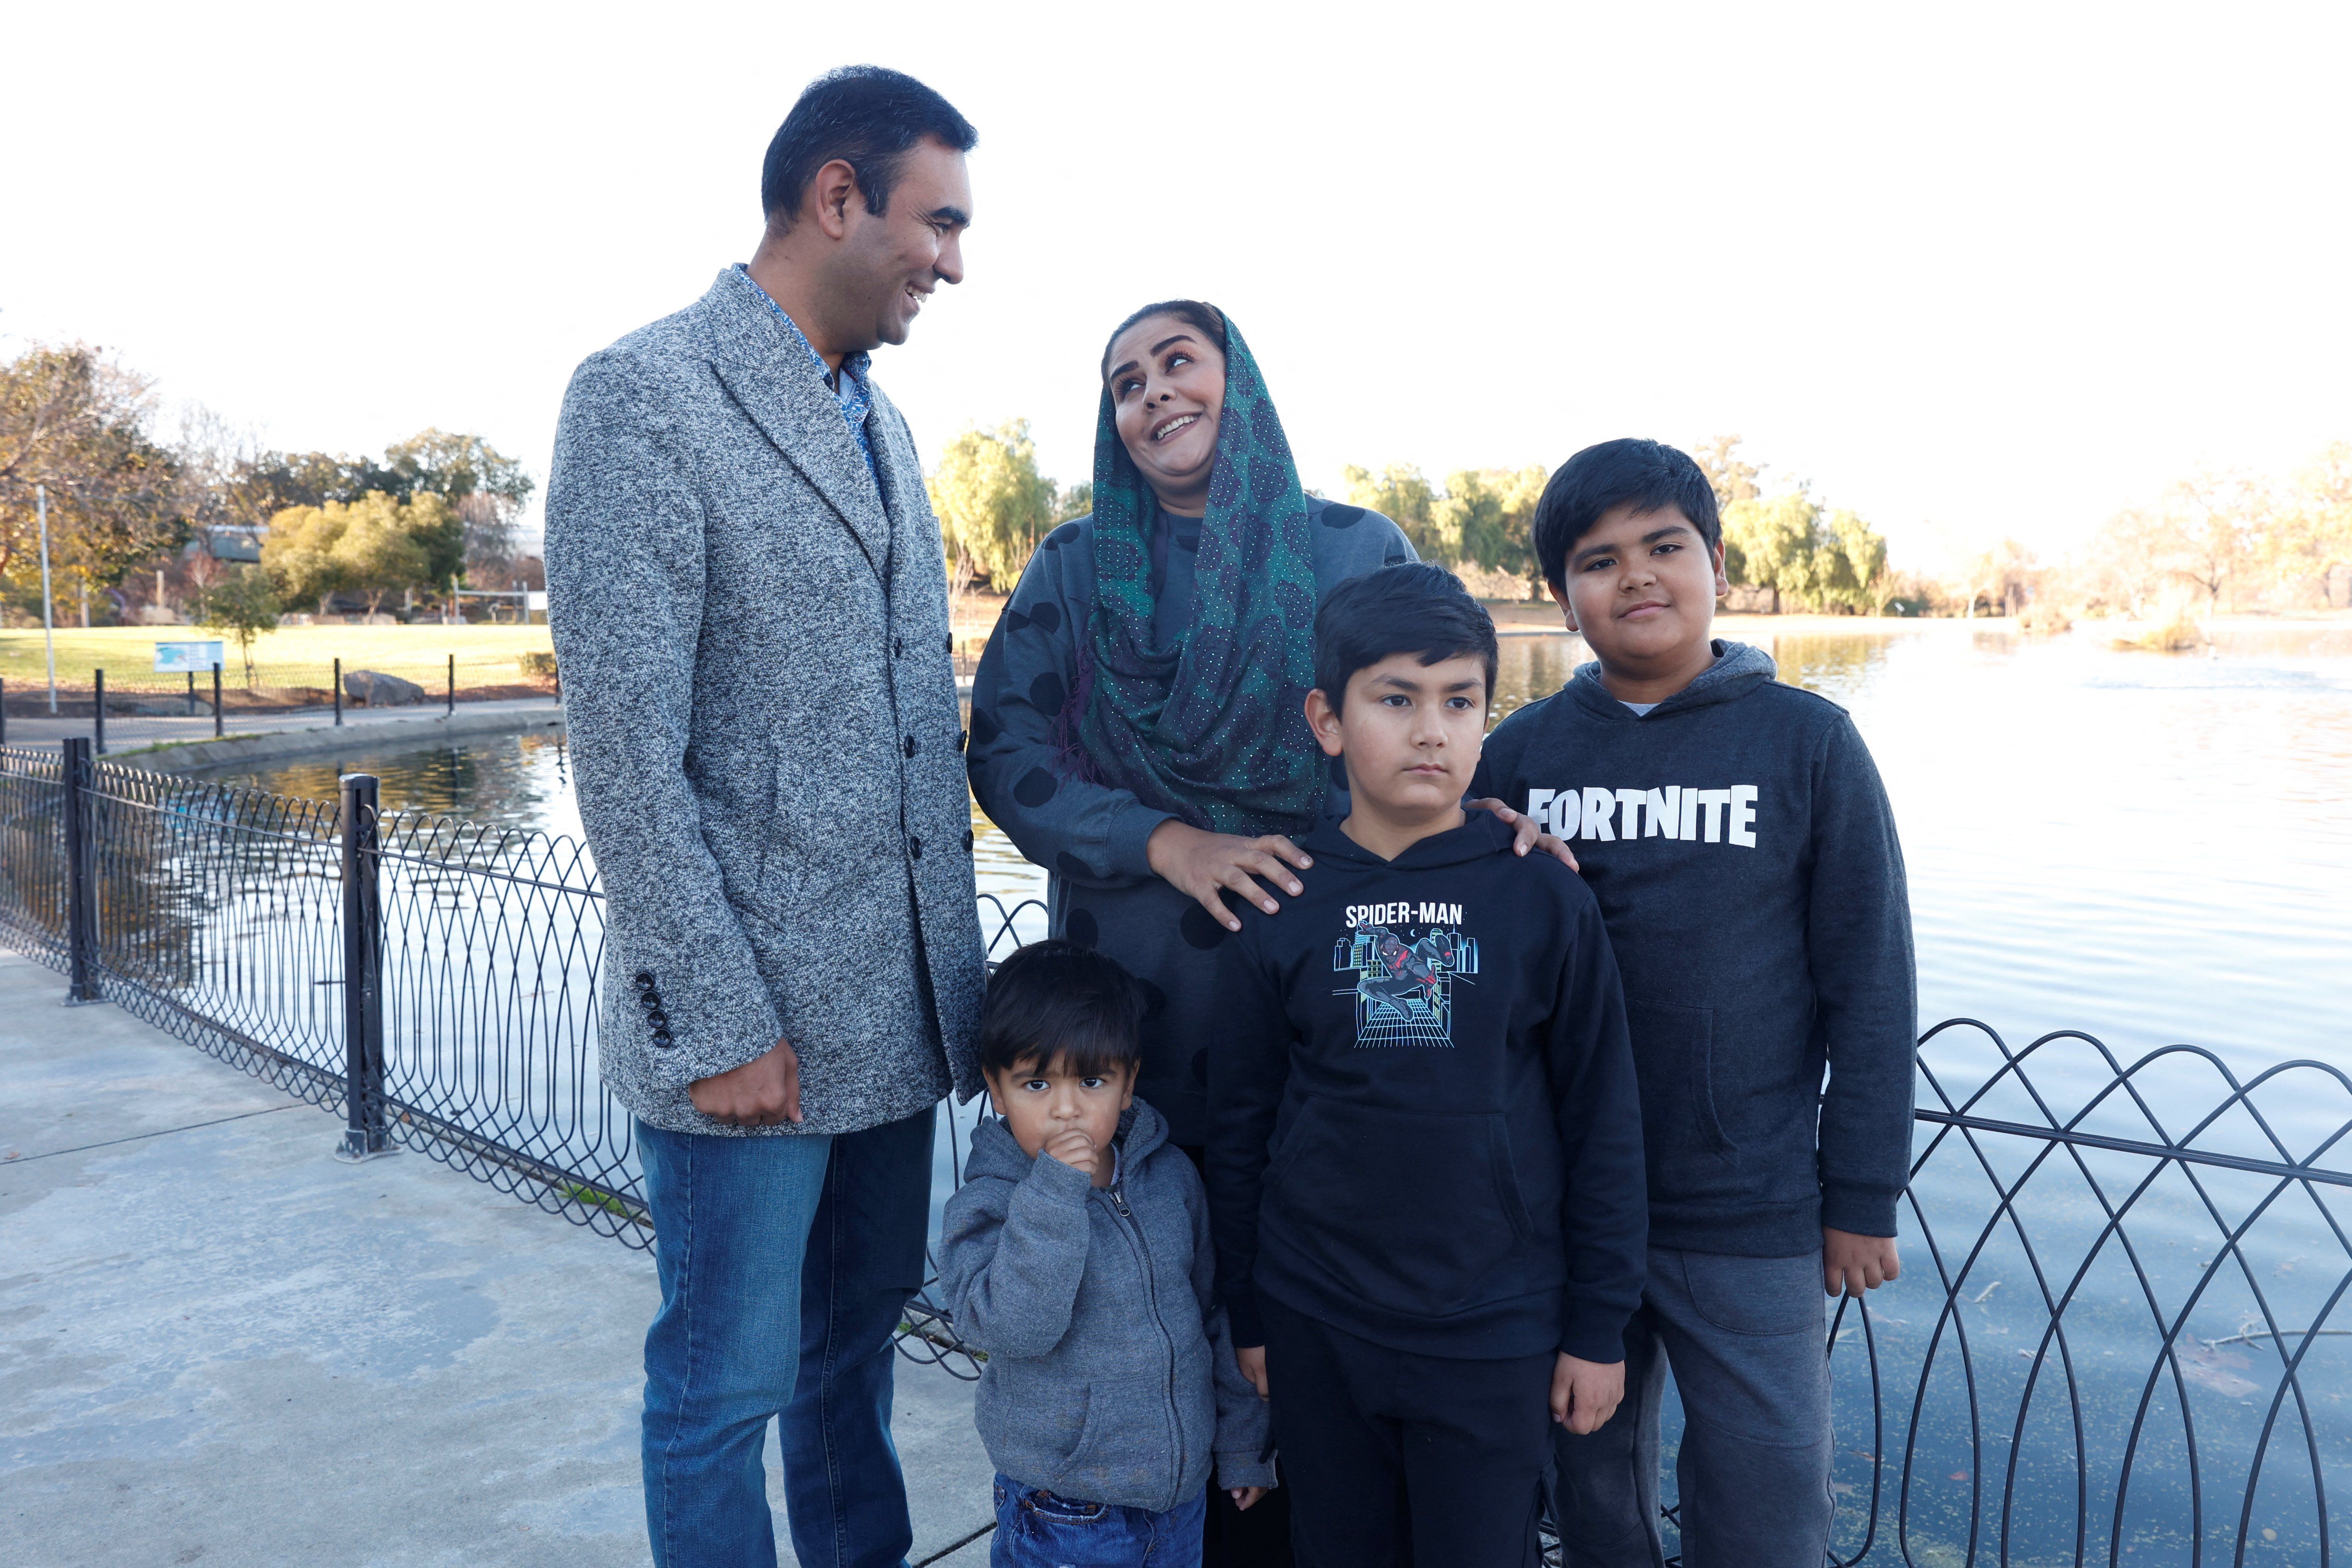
pixel 785 1266
pixel 1035 1528
pixel 1748 1341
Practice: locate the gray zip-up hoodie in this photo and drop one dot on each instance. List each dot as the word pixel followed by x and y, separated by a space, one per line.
pixel 1110 1377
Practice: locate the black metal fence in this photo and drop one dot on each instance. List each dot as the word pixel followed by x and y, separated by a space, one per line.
pixel 2115 1341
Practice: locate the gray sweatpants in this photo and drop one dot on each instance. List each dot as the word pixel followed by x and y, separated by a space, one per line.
pixel 1746 1339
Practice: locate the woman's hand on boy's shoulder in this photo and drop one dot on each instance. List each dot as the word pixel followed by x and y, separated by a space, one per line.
pixel 1525 834
pixel 1204 865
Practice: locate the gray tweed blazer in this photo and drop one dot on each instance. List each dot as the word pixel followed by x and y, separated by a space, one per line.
pixel 753 637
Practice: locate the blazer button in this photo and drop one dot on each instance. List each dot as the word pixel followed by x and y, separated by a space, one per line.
pixel 951 643
pixel 897 647
pixel 967 840
pixel 915 847
pixel 962 738
pixel 911 745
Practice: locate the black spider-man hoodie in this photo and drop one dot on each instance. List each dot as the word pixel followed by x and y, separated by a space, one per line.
pixel 1423 1125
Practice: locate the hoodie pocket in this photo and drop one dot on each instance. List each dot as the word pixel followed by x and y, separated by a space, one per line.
pixel 1122 1447
pixel 1674 1060
pixel 1409 1214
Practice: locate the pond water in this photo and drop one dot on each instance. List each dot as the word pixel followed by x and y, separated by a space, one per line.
pixel 2152 848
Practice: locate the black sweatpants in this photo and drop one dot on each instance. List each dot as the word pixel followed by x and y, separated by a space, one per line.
pixel 1393 1459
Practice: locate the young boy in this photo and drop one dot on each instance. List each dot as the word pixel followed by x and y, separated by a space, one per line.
pixel 1425 1143
pixel 1076 1255
pixel 1740 845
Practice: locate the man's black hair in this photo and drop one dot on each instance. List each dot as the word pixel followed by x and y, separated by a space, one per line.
pixel 867 116
pixel 1056 1001
pixel 1413 607
pixel 1650 474
pixel 1197 314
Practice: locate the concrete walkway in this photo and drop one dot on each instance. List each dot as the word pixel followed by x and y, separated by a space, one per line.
pixel 174 745
pixel 219 1345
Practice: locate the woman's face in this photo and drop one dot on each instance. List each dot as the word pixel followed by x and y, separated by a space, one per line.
pixel 1167 390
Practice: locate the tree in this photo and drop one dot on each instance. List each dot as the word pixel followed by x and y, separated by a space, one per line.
pixel 240 606
pixel 2208 526
pixel 991 502
pixel 2312 531
pixel 373 546
pixel 1850 558
pixel 1772 543
pixel 1076 502
pixel 300 553
pixel 485 489
pixel 1732 476
pixel 77 425
pixel 1406 499
pixel 383 548
pixel 1489 515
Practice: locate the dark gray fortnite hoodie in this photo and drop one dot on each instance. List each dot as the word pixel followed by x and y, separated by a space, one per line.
pixel 1111 1377
pixel 1744 856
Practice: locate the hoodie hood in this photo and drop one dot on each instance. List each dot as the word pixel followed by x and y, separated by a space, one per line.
pixel 1738 668
pixel 996 1152
pixel 1481 835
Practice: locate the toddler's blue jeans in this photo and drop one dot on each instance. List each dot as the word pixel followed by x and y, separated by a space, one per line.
pixel 1035 1528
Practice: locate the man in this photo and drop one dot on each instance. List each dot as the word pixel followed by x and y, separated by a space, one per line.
pixel 749 610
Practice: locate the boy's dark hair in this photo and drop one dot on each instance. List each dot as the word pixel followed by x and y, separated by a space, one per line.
pixel 1650 474
pixel 1056 1001
pixel 1198 314
pixel 1411 607
pixel 867 116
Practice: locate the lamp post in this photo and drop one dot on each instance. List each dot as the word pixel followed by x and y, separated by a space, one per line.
pixel 48 631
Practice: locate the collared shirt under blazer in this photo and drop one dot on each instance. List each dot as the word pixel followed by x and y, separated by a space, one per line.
pixel 753 630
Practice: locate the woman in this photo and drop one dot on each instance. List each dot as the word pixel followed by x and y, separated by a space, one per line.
pixel 1137 724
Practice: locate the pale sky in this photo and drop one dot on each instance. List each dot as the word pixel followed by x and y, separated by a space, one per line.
pixel 1971 269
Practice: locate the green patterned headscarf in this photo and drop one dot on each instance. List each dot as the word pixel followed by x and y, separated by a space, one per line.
pixel 1212 729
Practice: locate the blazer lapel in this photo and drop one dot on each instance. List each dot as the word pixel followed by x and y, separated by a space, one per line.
pixel 899 472
pixel 781 390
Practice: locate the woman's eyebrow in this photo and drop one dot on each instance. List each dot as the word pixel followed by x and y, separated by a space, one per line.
pixel 1164 342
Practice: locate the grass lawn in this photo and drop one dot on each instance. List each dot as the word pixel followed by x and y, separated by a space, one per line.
pixel 485 655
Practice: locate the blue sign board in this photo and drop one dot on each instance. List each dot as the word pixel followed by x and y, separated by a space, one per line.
pixel 171 658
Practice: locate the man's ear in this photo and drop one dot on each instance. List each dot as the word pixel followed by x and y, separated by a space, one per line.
pixel 1324 720
pixel 1722 583
pixel 830 193
pixel 1559 594
pixel 995 1100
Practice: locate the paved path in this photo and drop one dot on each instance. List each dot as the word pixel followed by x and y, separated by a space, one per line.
pixel 257 736
pixel 219 1345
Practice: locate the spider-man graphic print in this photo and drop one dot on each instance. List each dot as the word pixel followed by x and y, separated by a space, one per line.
pixel 1404 983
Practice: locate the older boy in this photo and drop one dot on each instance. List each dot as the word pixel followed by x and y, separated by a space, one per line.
pixel 1425 1150
pixel 1744 856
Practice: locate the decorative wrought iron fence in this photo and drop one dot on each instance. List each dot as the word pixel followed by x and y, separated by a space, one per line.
pixel 2115 1341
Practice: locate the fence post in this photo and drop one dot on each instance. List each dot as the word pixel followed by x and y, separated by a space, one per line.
pixel 365 1130
pixel 450 708
pixel 339 694
pixel 99 677
pixel 4 712
pixel 81 904
pixel 191 694
pixel 216 712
